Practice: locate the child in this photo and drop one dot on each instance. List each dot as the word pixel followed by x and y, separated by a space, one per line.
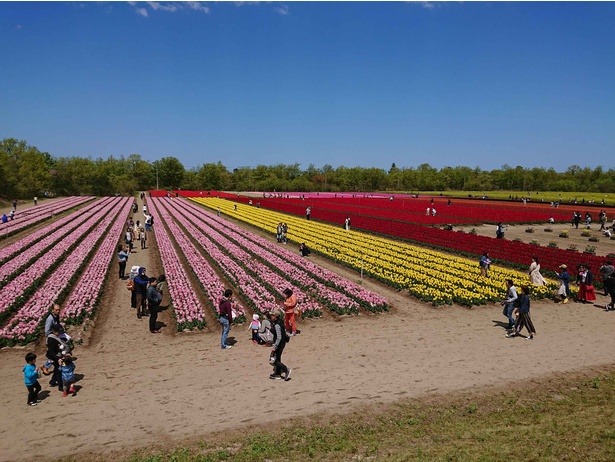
pixel 255 326
pixel 67 366
pixel 31 375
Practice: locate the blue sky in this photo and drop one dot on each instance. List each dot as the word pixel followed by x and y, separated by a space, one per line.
pixel 353 84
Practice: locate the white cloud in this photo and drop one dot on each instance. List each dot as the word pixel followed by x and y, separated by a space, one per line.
pixel 283 10
pixel 170 7
pixel 427 5
pixel 197 6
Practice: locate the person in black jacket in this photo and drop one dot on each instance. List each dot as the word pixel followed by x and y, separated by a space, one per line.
pixel 153 304
pixel 141 281
pixel 55 353
pixel 279 342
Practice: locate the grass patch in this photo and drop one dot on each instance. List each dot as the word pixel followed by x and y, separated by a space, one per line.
pixel 562 418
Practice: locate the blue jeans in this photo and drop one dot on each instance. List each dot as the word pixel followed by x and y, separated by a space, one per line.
pixel 509 314
pixel 226 327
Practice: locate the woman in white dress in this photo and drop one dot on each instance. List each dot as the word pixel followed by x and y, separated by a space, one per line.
pixel 535 276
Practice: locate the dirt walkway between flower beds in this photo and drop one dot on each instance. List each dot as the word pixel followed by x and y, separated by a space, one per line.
pixel 141 389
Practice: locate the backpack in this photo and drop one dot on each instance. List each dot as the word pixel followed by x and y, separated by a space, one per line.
pixel 130 285
pixel 65 347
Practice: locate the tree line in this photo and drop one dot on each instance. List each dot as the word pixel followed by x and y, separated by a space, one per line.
pixel 26 172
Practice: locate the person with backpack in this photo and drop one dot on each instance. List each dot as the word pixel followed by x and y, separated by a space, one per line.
pixel 56 350
pixel 280 338
pixel 140 290
pixel 153 304
pixel 510 303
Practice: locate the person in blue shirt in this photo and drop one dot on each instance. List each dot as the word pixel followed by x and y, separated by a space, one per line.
pixel 485 265
pixel 564 280
pixel 67 367
pixel 31 374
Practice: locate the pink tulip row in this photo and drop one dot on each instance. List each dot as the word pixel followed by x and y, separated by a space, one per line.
pixel 264 290
pixel 33 215
pixel 292 263
pixel 255 293
pixel 84 298
pixel 28 250
pixel 186 306
pixel 14 290
pixel 25 242
pixel 205 274
pixel 24 325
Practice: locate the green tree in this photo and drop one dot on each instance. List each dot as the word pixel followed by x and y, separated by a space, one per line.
pixel 170 172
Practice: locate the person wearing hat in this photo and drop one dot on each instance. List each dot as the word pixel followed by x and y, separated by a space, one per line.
pixel 279 342
pixel 141 281
pixel 564 280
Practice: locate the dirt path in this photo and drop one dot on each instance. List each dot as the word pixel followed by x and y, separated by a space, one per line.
pixel 140 389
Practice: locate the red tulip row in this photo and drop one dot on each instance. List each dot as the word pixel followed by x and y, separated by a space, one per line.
pixel 413 210
pixel 517 254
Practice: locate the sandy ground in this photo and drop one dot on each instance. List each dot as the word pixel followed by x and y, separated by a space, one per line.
pixel 140 389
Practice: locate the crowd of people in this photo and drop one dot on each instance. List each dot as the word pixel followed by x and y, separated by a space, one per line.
pixel 274 330
pixel 276 327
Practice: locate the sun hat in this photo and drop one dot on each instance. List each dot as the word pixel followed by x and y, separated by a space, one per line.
pixel 255 317
pixel 563 266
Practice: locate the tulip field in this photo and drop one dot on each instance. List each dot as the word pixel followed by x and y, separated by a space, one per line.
pixel 68 260
pixel 28 217
pixel 407 210
pixel 429 275
pixel 509 253
pixel 64 262
pixel 259 270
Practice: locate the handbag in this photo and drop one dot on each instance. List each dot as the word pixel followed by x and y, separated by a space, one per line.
pixel 130 285
pixel 272 357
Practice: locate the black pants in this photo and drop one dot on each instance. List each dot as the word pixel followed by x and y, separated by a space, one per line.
pixel 33 392
pixel 278 365
pixel 122 269
pixel 153 317
pixel 56 378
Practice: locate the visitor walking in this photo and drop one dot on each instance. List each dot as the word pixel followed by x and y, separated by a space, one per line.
pixel 308 212
pixel 279 343
pixel 226 317
pixel 523 316
pixel 534 272
pixel 31 374
pixel 564 283
pixel 585 280
pixel 509 303
pixel 485 265
pixel 140 289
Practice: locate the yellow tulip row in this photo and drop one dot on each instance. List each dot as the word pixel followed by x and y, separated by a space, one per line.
pixel 427 274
